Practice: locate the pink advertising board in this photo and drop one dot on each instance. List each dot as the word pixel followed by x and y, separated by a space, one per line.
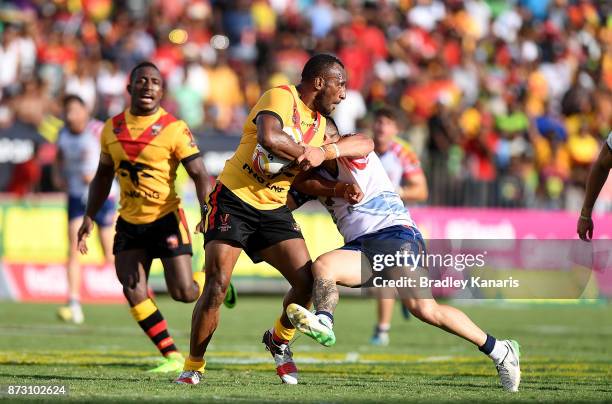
pixel 462 223
pixel 488 224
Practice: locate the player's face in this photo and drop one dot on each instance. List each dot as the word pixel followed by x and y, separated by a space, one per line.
pixel 146 91
pixel 77 117
pixel 333 90
pixel 384 129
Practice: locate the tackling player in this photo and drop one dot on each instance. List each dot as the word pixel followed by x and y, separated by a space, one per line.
pixel 248 211
pixel 403 167
pixel 143 146
pixel 378 215
pixel 78 149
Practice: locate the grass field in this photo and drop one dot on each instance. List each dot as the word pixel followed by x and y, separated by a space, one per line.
pixel 567 356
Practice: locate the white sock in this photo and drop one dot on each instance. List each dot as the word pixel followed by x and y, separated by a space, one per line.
pixel 325 320
pixel 499 352
pixel 383 328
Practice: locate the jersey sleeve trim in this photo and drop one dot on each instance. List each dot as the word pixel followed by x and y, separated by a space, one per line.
pixel 190 158
pixel 266 112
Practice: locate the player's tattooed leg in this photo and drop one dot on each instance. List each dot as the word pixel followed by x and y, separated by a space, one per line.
pixel 325 294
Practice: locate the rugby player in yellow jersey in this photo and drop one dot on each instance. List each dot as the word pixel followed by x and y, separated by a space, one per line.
pixel 248 211
pixel 143 147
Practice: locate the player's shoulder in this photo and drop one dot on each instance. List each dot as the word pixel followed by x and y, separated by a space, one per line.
pixel 177 127
pixel 282 93
pixel 107 128
pixel 284 89
pixel 400 144
pixel 110 123
pixel 403 150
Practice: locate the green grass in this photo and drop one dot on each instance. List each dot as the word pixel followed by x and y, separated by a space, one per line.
pixel 567 356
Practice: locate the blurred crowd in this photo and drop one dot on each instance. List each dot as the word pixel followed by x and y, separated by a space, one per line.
pixel 506 102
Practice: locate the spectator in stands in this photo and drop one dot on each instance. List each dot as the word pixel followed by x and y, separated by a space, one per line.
pixel 438 61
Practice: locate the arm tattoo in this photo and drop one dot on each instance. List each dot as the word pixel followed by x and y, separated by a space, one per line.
pixel 325 295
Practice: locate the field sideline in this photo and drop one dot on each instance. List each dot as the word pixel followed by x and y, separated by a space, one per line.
pixel 567 355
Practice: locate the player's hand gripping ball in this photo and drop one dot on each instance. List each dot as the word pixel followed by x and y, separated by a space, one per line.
pixel 267 163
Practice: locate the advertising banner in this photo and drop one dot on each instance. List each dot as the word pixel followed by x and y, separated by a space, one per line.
pixel 33 245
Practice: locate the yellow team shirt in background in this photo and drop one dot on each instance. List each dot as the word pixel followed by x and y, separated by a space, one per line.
pixel 146 150
pixel 241 178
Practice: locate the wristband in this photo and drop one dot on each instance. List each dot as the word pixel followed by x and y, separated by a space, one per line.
pixel 322 148
pixel 582 217
pixel 337 149
pixel 328 153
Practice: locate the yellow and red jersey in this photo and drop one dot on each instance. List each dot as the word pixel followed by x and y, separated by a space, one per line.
pixel 146 150
pixel 239 175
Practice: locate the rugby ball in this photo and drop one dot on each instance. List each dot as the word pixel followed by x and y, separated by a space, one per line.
pixel 267 163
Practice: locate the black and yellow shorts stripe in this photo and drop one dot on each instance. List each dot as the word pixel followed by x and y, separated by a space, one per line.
pixel 166 237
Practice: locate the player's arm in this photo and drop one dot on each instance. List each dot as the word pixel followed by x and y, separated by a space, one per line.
pixel 187 152
pixel 311 183
pixel 271 136
pixel 99 188
pixel 352 146
pixel 597 178
pixel 197 171
pixel 414 188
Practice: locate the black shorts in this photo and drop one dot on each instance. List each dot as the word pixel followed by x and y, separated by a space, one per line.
pixel 231 219
pixel 166 237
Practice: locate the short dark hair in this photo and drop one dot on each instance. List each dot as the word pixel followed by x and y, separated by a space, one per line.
pixel 317 64
pixel 140 65
pixel 68 98
pixel 386 112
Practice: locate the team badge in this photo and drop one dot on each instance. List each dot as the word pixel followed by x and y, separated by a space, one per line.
pixel 117 129
pixel 155 129
pixel 224 226
pixel 172 242
pixel 297 227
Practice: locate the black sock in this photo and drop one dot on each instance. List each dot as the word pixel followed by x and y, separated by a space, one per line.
pixel 326 314
pixel 487 347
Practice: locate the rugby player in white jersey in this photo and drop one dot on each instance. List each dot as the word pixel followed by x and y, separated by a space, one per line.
pixel 403 167
pixel 78 150
pixel 375 213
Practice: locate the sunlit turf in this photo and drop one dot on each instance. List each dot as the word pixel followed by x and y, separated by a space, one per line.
pixel 567 355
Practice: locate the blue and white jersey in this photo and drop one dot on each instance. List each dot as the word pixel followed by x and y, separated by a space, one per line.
pixel 381 206
pixel 80 153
